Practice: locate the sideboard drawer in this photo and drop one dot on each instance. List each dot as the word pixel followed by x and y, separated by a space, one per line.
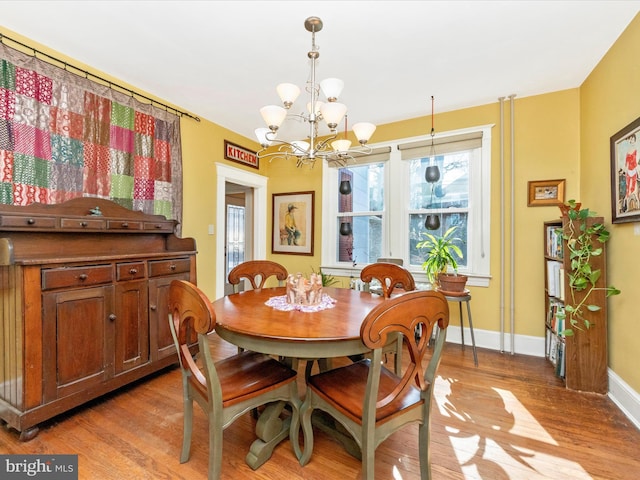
pixel 27 221
pixel 160 226
pixel 130 271
pixel 124 225
pixel 169 267
pixel 76 276
pixel 83 223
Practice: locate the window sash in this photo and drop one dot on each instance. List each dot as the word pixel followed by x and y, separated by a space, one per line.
pixel 396 211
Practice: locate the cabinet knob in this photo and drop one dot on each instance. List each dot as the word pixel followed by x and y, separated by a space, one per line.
pixel 83 224
pixel 124 225
pixel 172 267
pixel 133 271
pixel 31 221
pixel 83 276
pixel 153 307
pixel 112 317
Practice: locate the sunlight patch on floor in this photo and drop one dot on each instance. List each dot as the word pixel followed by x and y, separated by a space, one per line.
pixel 530 451
pixel 396 473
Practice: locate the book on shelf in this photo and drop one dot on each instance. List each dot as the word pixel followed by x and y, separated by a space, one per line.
pixel 553 350
pixel 555 322
pixel 553 277
pixel 556 353
pixel 558 364
pixel 554 241
pixel 560 369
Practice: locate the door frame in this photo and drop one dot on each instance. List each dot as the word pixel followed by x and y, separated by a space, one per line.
pixel 258 183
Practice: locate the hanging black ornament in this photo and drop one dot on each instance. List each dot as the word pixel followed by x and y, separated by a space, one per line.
pixel 345 187
pixel 432 222
pixel 345 228
pixel 432 174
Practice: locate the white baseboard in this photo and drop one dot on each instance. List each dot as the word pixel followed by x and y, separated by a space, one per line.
pixel 625 397
pixel 524 344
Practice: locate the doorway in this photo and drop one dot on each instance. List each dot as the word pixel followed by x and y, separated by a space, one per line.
pixel 254 187
pixel 238 227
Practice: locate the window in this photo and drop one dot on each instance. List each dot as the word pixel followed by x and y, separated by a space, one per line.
pixel 235 236
pixel 389 195
pixel 360 237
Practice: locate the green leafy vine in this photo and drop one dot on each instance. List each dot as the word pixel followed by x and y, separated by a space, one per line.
pixel 582 242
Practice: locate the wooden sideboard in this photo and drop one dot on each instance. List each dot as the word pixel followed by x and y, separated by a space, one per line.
pixel 82 303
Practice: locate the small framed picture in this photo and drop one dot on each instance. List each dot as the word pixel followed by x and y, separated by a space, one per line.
pixel 293 223
pixel 544 193
pixel 625 199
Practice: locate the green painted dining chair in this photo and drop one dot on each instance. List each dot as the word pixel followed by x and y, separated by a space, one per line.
pixel 371 401
pixel 228 388
pixel 390 275
pixel 257 272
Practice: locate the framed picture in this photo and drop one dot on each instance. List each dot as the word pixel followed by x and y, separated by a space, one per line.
pixel 241 155
pixel 625 200
pixel 543 193
pixel 293 223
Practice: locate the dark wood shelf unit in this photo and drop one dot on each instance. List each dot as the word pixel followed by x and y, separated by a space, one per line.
pixel 585 353
pixel 82 303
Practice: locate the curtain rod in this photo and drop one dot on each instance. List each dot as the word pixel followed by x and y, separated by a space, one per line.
pixel 87 74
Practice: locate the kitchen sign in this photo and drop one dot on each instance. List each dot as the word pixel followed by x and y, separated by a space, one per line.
pixel 238 154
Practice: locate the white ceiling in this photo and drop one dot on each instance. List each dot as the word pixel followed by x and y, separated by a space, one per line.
pixel 221 60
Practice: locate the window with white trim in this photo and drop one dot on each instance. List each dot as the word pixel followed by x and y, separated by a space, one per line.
pixel 384 214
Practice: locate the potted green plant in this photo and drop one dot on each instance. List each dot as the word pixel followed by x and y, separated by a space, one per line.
pixel 582 239
pixel 442 255
pixel 327 280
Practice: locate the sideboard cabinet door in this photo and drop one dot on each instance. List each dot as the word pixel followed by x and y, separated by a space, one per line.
pixel 131 326
pixel 77 339
pixel 162 345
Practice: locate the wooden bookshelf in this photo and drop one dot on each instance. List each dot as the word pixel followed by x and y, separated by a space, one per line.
pixel 581 359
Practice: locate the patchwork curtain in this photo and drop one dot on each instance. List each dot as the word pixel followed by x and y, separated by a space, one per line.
pixel 64 136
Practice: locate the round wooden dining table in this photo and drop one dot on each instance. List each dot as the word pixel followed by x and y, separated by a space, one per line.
pixel 244 319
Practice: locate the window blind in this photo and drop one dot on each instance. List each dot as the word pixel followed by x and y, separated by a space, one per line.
pixel 442 145
pixel 379 154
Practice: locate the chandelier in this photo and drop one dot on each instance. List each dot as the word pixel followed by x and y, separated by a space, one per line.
pixel 328 147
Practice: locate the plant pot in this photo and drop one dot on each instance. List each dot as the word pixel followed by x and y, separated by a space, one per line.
pixel 564 208
pixel 451 282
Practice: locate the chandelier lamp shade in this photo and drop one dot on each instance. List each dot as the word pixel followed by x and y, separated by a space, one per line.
pixel 329 112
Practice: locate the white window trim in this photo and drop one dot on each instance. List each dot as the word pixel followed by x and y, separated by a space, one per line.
pixel 396 245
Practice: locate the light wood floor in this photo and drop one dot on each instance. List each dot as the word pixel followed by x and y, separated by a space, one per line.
pixel 510 418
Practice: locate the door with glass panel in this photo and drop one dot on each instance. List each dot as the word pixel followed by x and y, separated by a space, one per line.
pixel 238 221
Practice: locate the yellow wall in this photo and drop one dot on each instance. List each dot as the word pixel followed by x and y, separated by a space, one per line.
pixel 561 135
pixel 202 148
pixel 609 101
pixel 546 147
pixel 284 177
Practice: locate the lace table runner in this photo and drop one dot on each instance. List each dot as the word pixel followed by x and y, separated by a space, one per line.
pixel 280 303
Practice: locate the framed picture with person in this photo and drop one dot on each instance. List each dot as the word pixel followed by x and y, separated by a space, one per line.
pixel 293 223
pixel 625 173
